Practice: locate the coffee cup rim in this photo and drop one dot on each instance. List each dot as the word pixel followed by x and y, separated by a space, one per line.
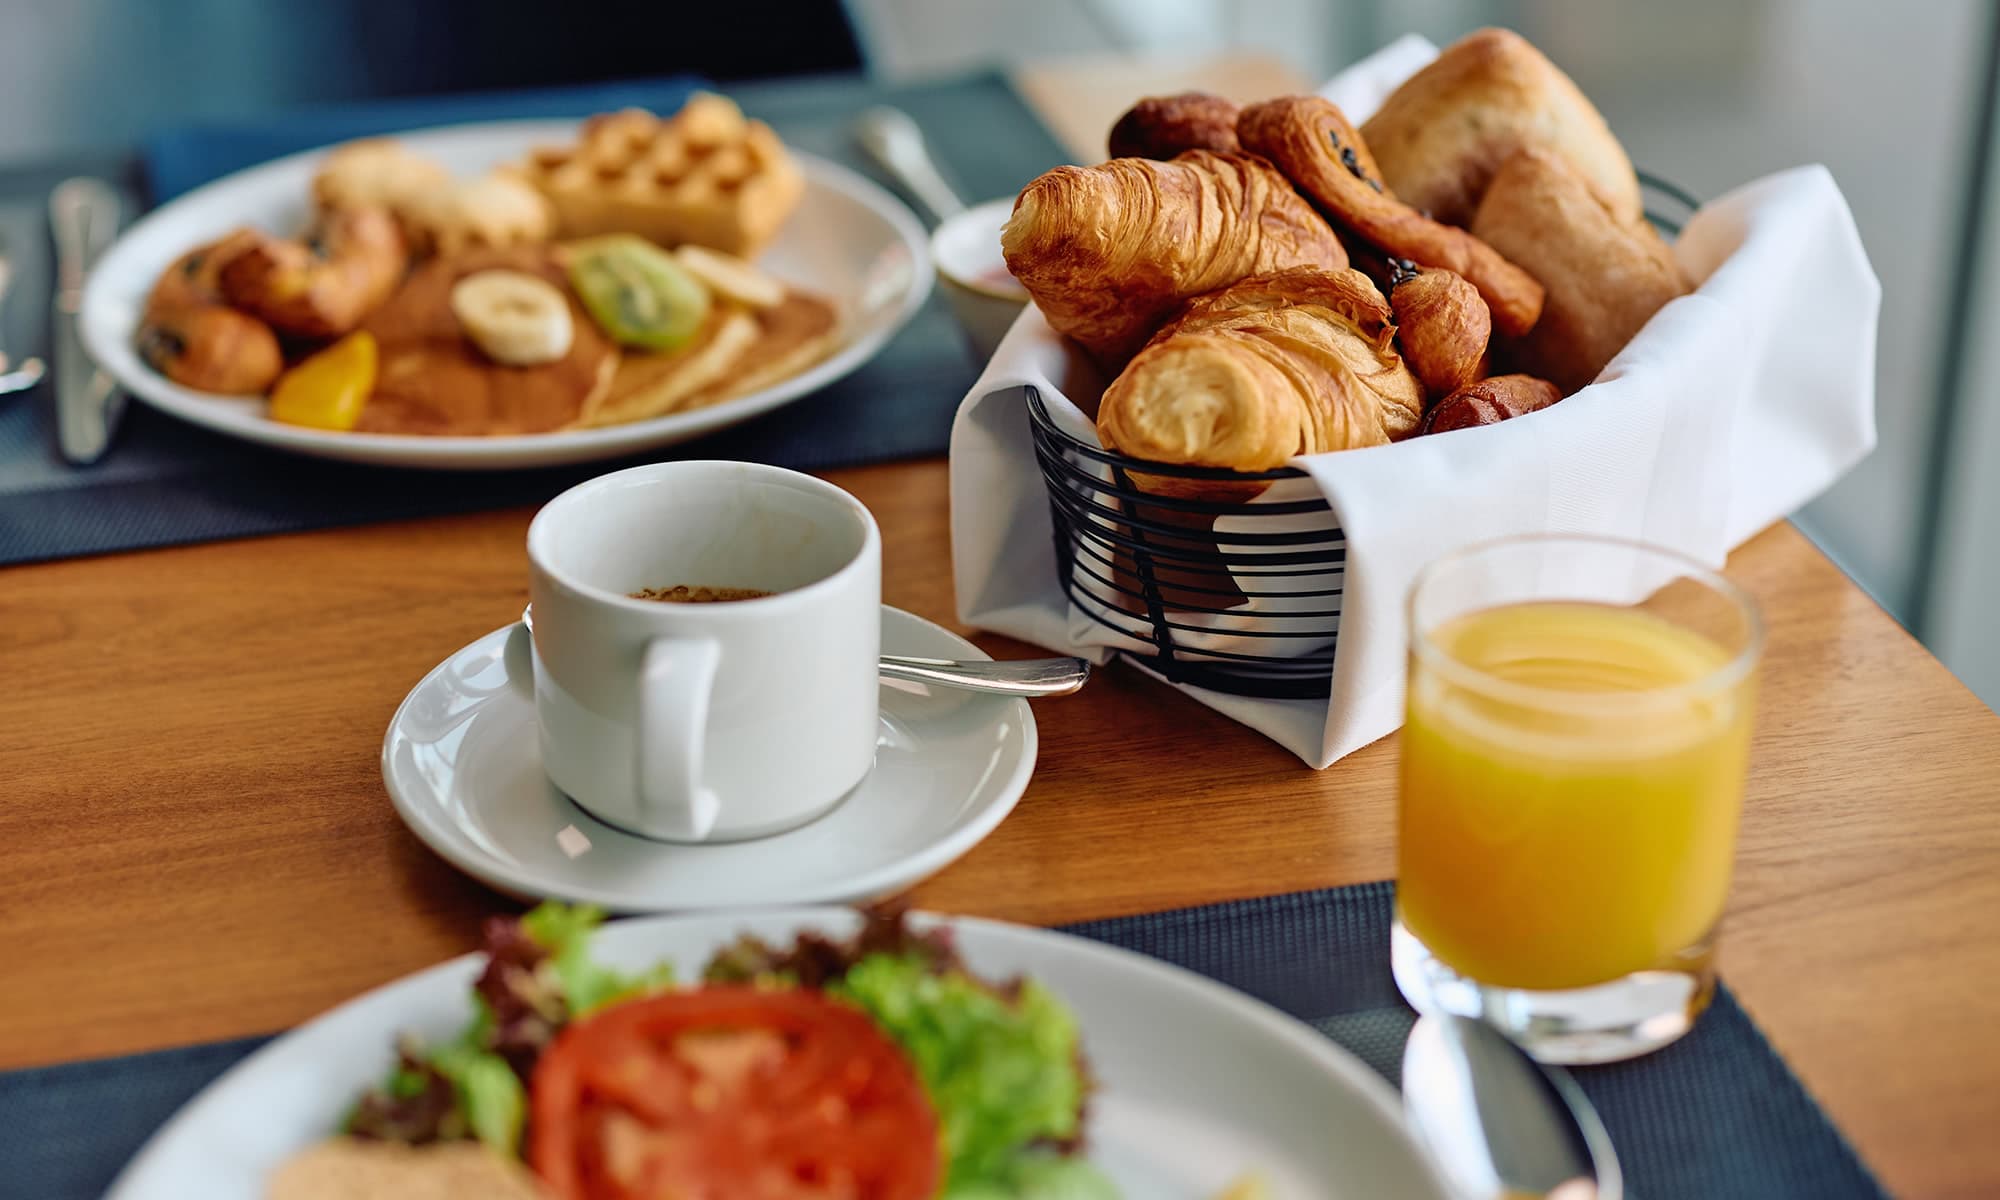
pixel 540 557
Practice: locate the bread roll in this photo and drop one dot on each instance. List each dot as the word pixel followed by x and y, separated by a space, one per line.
pixel 1604 277
pixel 1440 137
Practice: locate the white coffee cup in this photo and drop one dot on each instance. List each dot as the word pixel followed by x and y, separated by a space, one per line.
pixel 717 721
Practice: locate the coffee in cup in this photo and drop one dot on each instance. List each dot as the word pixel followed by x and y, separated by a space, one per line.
pixel 696 720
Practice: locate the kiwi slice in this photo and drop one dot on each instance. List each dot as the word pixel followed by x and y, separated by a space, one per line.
pixel 636 292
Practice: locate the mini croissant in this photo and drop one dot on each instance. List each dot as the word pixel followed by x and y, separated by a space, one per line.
pixel 1110 252
pixel 1274 366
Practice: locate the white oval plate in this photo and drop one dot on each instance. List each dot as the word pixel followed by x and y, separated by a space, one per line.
pixel 1199 1083
pixel 464 770
pixel 849 240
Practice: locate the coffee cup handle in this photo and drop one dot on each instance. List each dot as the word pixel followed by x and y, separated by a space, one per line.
pixel 676 677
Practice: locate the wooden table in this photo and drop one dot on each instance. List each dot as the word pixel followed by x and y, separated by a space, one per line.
pixel 196 843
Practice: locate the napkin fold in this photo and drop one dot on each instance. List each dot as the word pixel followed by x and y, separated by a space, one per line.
pixel 181 159
pixel 1733 407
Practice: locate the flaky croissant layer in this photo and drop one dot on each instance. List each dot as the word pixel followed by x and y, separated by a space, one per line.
pixel 1110 252
pixel 1276 366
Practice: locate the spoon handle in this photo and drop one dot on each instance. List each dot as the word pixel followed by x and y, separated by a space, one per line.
pixel 1019 677
pixel 892 139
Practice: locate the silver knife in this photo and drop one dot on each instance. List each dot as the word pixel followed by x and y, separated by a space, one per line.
pixel 83 216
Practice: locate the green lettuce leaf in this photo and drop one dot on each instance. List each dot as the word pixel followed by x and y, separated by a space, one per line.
pixel 489 1093
pixel 1001 1072
pixel 564 931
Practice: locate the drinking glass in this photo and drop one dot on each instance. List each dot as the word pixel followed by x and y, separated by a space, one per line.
pixel 1572 772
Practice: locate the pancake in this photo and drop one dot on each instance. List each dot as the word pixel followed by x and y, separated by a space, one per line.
pixel 654 384
pixel 737 352
pixel 791 336
pixel 432 380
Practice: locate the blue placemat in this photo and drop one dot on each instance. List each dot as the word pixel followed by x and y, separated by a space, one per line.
pixel 1715 1116
pixel 166 483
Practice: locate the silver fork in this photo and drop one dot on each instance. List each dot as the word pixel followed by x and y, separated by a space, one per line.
pixel 14 376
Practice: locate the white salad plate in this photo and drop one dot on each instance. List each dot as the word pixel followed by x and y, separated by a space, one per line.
pixel 463 766
pixel 1198 1083
pixel 849 240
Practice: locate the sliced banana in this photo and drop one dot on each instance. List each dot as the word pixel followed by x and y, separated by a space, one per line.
pixel 516 318
pixel 730 277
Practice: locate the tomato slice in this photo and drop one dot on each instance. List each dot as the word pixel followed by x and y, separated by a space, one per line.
pixel 731 1093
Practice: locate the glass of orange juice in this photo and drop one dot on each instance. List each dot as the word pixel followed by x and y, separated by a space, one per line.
pixel 1572 771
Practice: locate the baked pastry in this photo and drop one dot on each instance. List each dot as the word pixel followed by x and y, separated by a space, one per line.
pixel 1490 401
pixel 1439 137
pixel 1442 327
pixel 432 379
pixel 189 334
pixel 1110 252
pixel 375 173
pixel 1310 140
pixel 498 209
pixel 1274 366
pixel 320 286
pixel 1164 126
pixel 705 175
pixel 1605 277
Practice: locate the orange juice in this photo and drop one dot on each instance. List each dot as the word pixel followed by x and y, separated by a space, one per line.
pixel 1570 791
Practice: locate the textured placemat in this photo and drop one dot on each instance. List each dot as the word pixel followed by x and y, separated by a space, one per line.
pixel 166 483
pixel 1716 1116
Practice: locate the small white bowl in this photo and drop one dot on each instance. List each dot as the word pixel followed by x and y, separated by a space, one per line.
pixel 983 296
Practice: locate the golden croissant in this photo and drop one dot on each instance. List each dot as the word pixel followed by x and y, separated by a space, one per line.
pixel 1274 366
pixel 1110 252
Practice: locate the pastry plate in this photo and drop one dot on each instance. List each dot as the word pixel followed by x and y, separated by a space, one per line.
pixel 849 240
pixel 1198 1084
pixel 463 767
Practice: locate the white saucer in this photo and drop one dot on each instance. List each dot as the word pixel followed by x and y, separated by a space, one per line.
pixel 463 767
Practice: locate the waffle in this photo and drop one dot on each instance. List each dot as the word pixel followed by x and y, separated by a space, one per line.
pixel 705 175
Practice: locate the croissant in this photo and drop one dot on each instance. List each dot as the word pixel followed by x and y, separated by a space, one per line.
pixel 1442 327
pixel 1271 367
pixel 320 286
pixel 1109 252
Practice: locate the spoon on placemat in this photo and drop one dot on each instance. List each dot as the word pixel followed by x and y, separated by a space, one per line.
pixel 1498 1124
pixel 1014 677
pixel 891 137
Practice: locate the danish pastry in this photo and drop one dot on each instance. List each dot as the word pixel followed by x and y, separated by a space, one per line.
pixel 1310 140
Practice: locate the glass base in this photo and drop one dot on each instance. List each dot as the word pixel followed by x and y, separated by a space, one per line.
pixel 1625 1018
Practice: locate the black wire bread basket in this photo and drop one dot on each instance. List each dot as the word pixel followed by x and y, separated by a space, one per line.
pixel 1240 597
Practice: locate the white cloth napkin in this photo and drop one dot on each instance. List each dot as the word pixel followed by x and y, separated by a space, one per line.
pixel 1733 407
